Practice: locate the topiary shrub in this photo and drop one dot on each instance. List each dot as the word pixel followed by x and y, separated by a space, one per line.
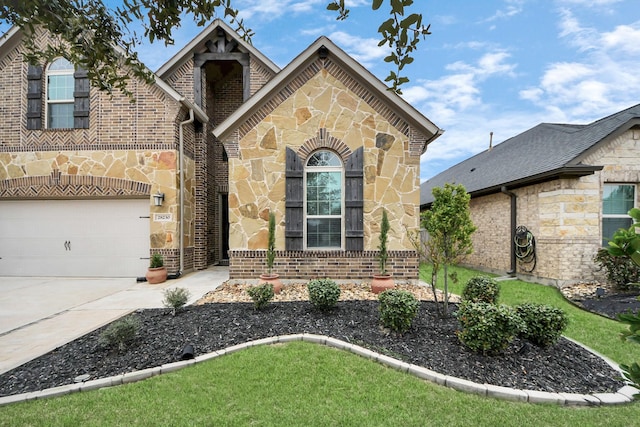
pixel 487 328
pixel 545 323
pixel 120 334
pixel 323 293
pixel 261 295
pixel 481 289
pixel 620 270
pixel 398 308
pixel 175 299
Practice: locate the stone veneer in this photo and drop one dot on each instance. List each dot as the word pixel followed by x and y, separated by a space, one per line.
pixel 564 215
pixel 257 172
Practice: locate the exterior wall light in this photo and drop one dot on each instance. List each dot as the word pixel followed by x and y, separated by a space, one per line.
pixel 158 198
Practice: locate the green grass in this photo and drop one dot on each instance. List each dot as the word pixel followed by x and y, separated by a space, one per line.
pixel 597 332
pixel 305 384
pixel 297 384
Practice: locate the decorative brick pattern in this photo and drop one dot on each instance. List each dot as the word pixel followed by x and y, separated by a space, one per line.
pixel 305 265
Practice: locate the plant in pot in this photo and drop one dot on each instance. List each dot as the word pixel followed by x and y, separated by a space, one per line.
pixel 157 272
pixel 270 276
pixel 383 280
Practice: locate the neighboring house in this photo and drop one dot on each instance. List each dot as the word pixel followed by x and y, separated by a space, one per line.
pixel 569 185
pixel 225 137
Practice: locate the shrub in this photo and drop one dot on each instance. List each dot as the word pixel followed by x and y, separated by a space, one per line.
pixel 620 270
pixel 261 295
pixel 323 293
pixel 397 309
pixel 544 323
pixel 175 298
pixel 488 328
pixel 481 289
pixel 120 334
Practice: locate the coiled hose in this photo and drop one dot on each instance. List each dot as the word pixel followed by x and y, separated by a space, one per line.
pixel 525 247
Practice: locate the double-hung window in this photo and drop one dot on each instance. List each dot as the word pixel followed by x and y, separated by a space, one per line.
pixel 324 201
pixel 60 101
pixel 617 200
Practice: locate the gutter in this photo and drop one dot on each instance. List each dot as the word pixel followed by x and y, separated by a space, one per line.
pixel 514 219
pixel 181 166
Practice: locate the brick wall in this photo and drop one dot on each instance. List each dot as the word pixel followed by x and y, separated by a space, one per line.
pixel 337 265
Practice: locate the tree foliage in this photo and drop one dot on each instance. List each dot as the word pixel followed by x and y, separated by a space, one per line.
pixel 449 225
pixel 95 35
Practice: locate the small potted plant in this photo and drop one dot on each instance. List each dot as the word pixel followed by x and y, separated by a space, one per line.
pixel 157 272
pixel 270 276
pixel 383 280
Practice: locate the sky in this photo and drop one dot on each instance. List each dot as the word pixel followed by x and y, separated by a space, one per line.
pixel 500 66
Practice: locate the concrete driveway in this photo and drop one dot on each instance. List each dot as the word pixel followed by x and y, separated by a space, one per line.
pixel 39 314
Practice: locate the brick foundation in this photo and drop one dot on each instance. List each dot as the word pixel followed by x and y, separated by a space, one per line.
pixel 337 265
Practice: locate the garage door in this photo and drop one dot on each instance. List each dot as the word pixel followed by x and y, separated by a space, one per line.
pixel 74 238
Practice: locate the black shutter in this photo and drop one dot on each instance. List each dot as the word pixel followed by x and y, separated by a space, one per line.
pixel 81 100
pixel 294 202
pixel 34 97
pixel 354 201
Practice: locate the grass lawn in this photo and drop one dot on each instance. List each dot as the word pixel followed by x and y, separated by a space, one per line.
pixel 302 384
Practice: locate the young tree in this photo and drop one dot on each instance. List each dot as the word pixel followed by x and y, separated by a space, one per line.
pixel 94 35
pixel 449 225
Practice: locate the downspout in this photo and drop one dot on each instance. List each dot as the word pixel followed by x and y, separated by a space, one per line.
pixel 514 218
pixel 181 166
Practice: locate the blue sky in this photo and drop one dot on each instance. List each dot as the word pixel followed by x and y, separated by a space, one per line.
pixel 498 66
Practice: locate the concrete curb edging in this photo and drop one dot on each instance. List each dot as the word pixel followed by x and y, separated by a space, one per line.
pixel 624 395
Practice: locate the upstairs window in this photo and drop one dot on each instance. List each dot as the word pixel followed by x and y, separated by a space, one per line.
pixel 60 100
pixel 324 201
pixel 617 200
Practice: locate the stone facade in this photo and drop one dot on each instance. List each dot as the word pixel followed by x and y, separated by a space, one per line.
pixel 564 215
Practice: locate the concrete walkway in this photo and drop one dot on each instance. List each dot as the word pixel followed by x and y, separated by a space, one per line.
pixel 39 314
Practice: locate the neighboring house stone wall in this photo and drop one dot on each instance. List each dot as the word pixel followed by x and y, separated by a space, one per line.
pixel 564 215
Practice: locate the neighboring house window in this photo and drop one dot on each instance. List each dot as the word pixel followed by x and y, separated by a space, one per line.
pixel 617 200
pixel 324 201
pixel 60 85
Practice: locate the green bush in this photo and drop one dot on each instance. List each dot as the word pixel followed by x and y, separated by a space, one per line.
pixel 323 293
pixel 175 298
pixel 487 328
pixel 620 270
pixel 156 261
pixel 398 308
pixel 120 334
pixel 544 323
pixel 481 289
pixel 261 295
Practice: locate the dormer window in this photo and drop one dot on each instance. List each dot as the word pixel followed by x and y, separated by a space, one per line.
pixel 60 84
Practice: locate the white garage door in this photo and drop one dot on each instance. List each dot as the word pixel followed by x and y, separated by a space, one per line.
pixel 74 238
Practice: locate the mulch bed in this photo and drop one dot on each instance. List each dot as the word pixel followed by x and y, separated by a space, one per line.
pixel 431 342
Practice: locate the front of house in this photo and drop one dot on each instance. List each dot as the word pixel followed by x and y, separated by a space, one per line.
pixel 92 185
pixel 567 188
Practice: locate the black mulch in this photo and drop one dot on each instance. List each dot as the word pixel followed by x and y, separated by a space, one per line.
pixel 431 342
pixel 612 305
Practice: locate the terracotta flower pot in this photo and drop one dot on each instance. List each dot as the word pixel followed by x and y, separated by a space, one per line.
pixel 274 279
pixel 381 282
pixel 156 275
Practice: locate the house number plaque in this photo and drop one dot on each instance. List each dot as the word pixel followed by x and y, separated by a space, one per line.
pixel 163 217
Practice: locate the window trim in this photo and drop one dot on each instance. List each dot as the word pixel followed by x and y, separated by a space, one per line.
pixel 615 216
pixel 70 101
pixel 340 169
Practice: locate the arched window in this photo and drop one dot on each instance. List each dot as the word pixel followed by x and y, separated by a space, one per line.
pixel 60 86
pixel 324 201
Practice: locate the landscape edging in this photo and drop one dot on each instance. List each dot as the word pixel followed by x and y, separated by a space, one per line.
pixel 624 395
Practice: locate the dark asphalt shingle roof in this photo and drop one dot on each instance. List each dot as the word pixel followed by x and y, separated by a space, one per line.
pixel 540 151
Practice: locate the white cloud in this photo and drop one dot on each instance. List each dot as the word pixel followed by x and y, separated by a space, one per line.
pixel 625 38
pixel 364 50
pixel 512 8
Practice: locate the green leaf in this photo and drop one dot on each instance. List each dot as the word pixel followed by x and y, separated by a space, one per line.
pixel 376 4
